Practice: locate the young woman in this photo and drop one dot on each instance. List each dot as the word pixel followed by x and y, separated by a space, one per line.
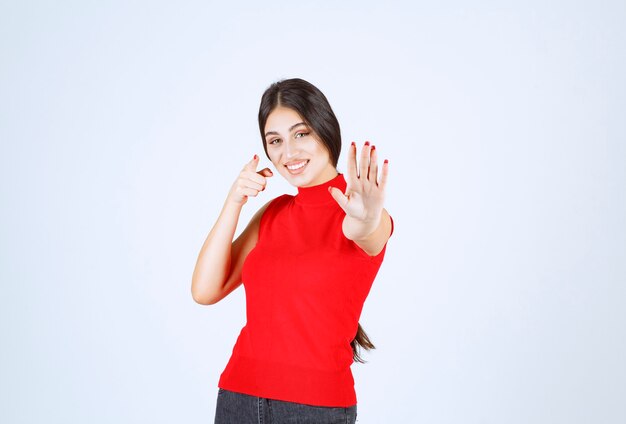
pixel 307 263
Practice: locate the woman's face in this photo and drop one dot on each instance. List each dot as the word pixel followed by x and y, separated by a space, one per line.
pixel 295 149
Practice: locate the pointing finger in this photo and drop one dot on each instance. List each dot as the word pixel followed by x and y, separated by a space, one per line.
pixel 266 172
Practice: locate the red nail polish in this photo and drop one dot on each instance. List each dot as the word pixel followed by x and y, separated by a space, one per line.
pixel 354 144
pixel 367 143
pixel 373 147
pixel 255 157
pixel 386 161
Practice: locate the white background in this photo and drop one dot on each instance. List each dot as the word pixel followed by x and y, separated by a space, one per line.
pixel 123 124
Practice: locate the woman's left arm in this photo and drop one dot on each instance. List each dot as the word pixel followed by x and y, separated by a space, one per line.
pixel 366 223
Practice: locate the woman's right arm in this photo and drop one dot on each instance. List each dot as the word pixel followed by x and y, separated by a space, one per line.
pixel 219 264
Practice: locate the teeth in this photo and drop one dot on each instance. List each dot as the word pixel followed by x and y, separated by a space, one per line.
pixel 296 166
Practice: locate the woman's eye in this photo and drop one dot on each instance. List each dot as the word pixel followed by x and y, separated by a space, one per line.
pixel 275 141
pixel 302 134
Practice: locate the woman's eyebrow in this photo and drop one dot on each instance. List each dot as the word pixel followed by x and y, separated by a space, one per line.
pixel 290 129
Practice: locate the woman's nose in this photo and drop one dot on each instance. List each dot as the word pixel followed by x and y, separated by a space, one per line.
pixel 290 149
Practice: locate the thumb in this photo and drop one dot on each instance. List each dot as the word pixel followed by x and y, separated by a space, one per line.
pixel 266 172
pixel 339 197
pixel 251 166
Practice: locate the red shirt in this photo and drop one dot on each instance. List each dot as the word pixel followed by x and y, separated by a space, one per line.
pixel 305 285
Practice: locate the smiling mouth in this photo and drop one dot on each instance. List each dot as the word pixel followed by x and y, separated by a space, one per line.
pixel 297 167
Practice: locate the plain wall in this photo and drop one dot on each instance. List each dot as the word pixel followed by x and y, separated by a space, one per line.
pixel 123 124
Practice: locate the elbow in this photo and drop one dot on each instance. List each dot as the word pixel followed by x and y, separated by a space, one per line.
pixel 203 298
pixel 200 300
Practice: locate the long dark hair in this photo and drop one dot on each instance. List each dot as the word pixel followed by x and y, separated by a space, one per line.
pixel 360 341
pixel 311 104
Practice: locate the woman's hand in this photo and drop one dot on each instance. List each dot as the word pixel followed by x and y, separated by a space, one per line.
pixel 365 194
pixel 249 182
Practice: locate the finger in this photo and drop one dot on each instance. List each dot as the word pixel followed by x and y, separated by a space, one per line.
pixel 252 184
pixel 351 168
pixel 253 176
pixel 339 197
pixel 249 192
pixel 266 172
pixel 383 177
pixel 373 166
pixel 365 161
pixel 251 166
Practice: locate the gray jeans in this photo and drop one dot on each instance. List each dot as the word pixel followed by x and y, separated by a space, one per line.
pixel 240 408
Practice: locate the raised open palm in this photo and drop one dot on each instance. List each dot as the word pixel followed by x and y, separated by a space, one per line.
pixel 365 193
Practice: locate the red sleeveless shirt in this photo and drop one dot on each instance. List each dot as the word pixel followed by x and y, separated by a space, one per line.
pixel 305 285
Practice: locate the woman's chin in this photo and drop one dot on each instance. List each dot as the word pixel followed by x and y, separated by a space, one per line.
pixel 297 180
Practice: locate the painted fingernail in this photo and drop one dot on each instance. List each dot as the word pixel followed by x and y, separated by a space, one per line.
pixel 373 147
pixel 386 161
pixel 354 144
pixel 367 143
pixel 255 157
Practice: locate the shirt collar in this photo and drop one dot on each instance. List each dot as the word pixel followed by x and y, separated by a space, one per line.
pixel 319 194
